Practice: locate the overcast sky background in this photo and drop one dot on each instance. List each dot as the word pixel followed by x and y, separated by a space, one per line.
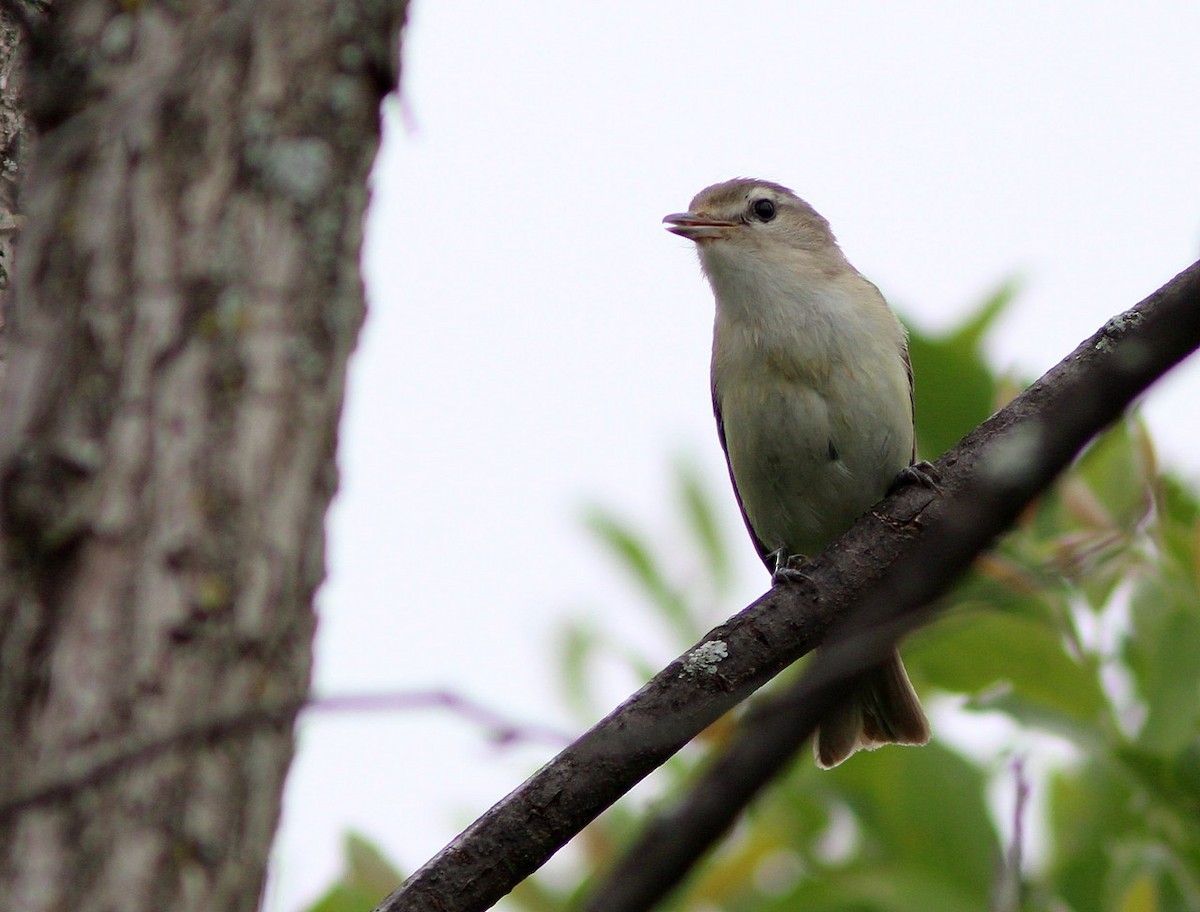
pixel 536 341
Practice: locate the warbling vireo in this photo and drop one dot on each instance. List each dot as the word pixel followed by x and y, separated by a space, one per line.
pixel 812 390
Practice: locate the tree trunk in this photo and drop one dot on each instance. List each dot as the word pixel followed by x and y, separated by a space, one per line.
pixel 186 296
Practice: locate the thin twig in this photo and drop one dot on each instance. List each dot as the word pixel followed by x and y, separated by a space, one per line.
pixel 123 758
pixel 497 728
pixel 1008 885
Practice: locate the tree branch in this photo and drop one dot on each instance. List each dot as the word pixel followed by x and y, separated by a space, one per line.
pixel 128 757
pixel 887 564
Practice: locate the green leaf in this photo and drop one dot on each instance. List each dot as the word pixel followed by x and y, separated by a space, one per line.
pixel 1011 580
pixel 923 810
pixel 954 387
pixel 1115 468
pixel 578 642
pixel 974 650
pixel 1178 501
pixel 1178 526
pixel 1172 782
pixel 975 327
pixel 1139 895
pixel 882 887
pixel 702 521
pixel 635 555
pixel 366 879
pixel 1086 809
pixel 1162 653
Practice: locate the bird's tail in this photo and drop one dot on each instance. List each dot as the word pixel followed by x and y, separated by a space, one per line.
pixel 886 711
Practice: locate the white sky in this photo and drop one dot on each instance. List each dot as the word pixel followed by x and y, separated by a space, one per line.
pixel 536 340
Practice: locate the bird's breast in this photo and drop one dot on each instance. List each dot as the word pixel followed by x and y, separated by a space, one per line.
pixel 812 442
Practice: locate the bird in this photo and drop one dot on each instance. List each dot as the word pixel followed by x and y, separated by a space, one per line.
pixel 813 395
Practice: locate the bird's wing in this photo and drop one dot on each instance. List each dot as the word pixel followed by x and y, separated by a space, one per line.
pixel 912 399
pixel 763 551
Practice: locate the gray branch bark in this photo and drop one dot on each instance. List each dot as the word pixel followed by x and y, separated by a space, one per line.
pixel 186 297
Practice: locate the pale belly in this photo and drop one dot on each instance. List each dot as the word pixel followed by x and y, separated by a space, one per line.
pixel 807 467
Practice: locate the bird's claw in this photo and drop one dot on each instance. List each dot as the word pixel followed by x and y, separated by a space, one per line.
pixel 785 575
pixel 922 473
pixel 784 572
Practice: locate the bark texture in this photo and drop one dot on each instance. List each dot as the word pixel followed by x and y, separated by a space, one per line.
pixel 187 295
pixel 14 139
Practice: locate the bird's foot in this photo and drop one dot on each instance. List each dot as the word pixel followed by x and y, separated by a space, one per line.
pixel 786 568
pixel 922 473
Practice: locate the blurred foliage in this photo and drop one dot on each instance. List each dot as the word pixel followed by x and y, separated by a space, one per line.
pixel 1083 624
pixel 367 878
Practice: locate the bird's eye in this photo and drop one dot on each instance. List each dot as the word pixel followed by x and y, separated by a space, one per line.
pixel 763 209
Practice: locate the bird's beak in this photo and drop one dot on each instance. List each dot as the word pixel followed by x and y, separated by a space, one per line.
pixel 697 227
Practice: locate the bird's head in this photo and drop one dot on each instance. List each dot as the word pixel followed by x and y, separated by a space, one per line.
pixel 753 218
